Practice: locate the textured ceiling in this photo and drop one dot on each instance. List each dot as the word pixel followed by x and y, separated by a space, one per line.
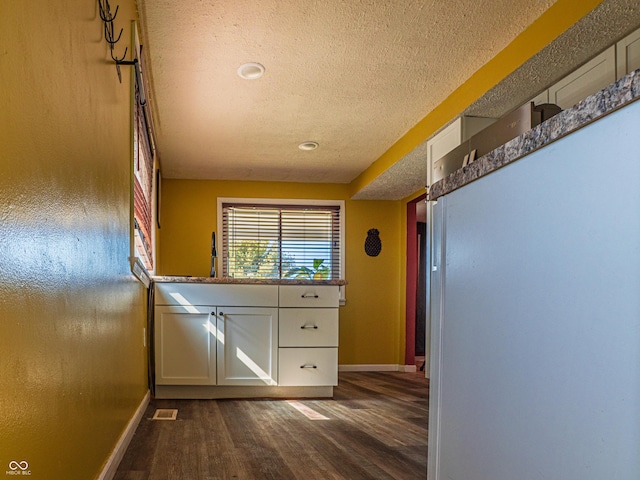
pixel 354 76
pixel 606 24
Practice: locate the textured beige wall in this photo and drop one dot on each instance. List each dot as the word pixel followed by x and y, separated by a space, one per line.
pixel 72 361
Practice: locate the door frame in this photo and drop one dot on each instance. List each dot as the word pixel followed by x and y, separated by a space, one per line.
pixel 411 281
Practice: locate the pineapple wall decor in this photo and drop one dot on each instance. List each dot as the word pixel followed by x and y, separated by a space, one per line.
pixel 373 245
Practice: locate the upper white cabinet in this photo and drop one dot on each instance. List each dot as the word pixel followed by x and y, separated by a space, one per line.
pixel 461 129
pixel 586 80
pixel 614 63
pixel 628 54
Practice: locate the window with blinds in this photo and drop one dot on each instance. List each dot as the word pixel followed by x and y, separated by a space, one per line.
pixel 281 241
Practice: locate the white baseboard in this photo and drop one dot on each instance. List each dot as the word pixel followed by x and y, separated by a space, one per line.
pixel 112 463
pixel 407 368
pixel 384 367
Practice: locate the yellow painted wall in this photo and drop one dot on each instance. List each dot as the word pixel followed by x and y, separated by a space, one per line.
pixel 371 322
pixel 72 361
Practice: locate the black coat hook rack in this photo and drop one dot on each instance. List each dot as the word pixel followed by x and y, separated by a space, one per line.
pixel 108 19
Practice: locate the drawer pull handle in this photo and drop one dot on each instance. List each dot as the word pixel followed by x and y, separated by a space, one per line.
pixel 310 295
pixel 308 366
pixel 309 326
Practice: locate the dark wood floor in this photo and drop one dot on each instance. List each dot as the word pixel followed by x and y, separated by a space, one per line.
pixel 375 427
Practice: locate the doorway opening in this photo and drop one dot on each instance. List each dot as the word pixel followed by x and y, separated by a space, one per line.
pixel 417 348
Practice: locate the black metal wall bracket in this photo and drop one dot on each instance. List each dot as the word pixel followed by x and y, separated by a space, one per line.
pixel 108 19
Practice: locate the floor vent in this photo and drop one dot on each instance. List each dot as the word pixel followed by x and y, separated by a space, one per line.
pixel 165 414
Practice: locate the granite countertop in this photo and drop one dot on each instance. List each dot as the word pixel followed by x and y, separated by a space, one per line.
pixel 245 281
pixel 615 96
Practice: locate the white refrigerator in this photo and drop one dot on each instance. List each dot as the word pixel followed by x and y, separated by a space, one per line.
pixel 535 310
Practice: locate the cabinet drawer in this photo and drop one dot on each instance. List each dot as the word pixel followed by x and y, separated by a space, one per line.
pixel 216 294
pixel 308 366
pixel 308 327
pixel 309 296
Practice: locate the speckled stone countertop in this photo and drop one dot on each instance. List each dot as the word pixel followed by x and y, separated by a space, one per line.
pixel 615 96
pixel 245 281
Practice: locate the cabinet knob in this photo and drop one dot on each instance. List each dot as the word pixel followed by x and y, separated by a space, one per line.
pixel 221 314
pixel 309 326
pixel 308 366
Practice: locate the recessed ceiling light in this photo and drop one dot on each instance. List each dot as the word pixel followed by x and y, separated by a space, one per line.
pixel 251 71
pixel 308 145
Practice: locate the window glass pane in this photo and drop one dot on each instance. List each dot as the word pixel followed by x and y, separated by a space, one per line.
pixel 307 241
pixel 261 241
pixel 253 243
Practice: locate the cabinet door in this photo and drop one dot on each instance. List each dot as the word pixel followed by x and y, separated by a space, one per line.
pixel 628 54
pixel 185 345
pixel 247 346
pixel 586 80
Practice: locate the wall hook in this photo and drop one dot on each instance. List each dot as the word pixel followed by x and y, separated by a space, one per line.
pixel 109 33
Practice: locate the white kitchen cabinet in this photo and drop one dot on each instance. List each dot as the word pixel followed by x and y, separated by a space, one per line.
pixel 628 54
pixel 458 131
pixel 185 345
pixel 247 346
pixel 229 340
pixel 308 335
pixel 216 334
pixel 615 62
pixel 586 80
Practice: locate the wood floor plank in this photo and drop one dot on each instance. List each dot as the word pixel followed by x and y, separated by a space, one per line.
pixel 375 427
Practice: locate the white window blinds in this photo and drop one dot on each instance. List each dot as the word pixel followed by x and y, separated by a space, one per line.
pixel 281 241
